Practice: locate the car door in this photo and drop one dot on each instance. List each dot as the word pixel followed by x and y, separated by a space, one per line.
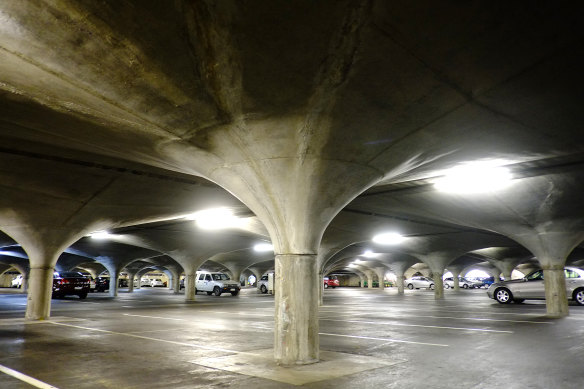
pixel 418 282
pixel 532 288
pixel 200 282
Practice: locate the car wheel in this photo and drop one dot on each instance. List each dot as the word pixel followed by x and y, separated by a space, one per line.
pixel 217 291
pixel 503 295
pixel 209 293
pixel 234 293
pixel 410 286
pixel 518 301
pixel 432 286
pixel 83 295
pixel 465 286
pixel 326 286
pixel 446 286
pixel 263 289
pixel 579 296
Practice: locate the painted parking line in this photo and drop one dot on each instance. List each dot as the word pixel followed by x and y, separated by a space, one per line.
pixel 392 316
pixel 153 317
pixel 420 326
pixel 127 334
pixel 24 378
pixel 384 339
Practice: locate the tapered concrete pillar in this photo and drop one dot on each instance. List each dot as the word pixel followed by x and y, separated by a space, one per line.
pixel 236 276
pixel 400 278
pixel 456 281
pixel 176 284
pixel 190 286
pixel 131 277
pixel 38 305
pixel 296 309
pixel 320 286
pixel 171 280
pixel 369 281
pixel 113 287
pixel 438 284
pixel 362 281
pixel 24 287
pixel 555 292
pixel 380 271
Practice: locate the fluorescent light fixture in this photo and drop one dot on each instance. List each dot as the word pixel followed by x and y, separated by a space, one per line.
pixel 388 238
pixel 357 261
pixel 263 247
pixel 474 177
pixel 100 235
pixel 369 254
pixel 215 219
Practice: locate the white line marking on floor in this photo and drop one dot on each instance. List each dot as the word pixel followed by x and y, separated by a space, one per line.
pixel 153 317
pixel 385 339
pixel 23 377
pixel 391 316
pixel 153 339
pixel 420 325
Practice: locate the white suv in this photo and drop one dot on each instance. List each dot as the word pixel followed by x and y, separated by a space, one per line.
pixel 215 283
pixel 16 282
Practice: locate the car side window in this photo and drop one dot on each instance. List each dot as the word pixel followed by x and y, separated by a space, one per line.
pixel 201 277
pixel 538 275
pixel 208 277
pixel 571 273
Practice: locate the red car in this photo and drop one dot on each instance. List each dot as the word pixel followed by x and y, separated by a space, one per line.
pixel 331 281
pixel 69 282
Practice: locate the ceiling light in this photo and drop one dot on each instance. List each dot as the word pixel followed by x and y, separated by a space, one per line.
pixel 474 177
pixel 369 254
pixel 263 247
pixel 215 219
pixel 100 235
pixel 388 238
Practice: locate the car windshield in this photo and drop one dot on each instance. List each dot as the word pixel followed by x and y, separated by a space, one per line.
pixel 220 276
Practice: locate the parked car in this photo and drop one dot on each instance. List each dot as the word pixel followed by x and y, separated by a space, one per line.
pixel 488 281
pixel 418 282
pixel 462 283
pixel 145 282
pixel 156 283
pixel 532 287
pixel 101 284
pixel 331 281
pixel 215 283
pixel 181 284
pixel 16 282
pixel 68 283
pixel 92 283
pixel 263 284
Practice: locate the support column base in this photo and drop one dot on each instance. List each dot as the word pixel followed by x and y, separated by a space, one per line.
pixel 296 310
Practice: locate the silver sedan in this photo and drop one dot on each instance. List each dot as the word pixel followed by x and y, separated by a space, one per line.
pixel 532 287
pixel 419 282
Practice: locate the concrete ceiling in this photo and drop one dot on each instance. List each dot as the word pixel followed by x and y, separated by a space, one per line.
pixel 324 119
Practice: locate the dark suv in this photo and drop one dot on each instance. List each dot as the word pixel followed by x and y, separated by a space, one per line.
pixel 67 282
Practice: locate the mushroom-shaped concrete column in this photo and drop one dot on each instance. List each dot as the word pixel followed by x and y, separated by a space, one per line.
pixel 43 246
pixel 552 249
pixel 380 272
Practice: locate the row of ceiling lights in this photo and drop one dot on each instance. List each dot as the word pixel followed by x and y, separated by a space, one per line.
pixel 468 178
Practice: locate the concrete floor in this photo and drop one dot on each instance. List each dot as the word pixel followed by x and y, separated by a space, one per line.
pixel 153 339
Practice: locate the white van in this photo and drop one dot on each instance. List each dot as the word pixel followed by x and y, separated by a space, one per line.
pixel 215 283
